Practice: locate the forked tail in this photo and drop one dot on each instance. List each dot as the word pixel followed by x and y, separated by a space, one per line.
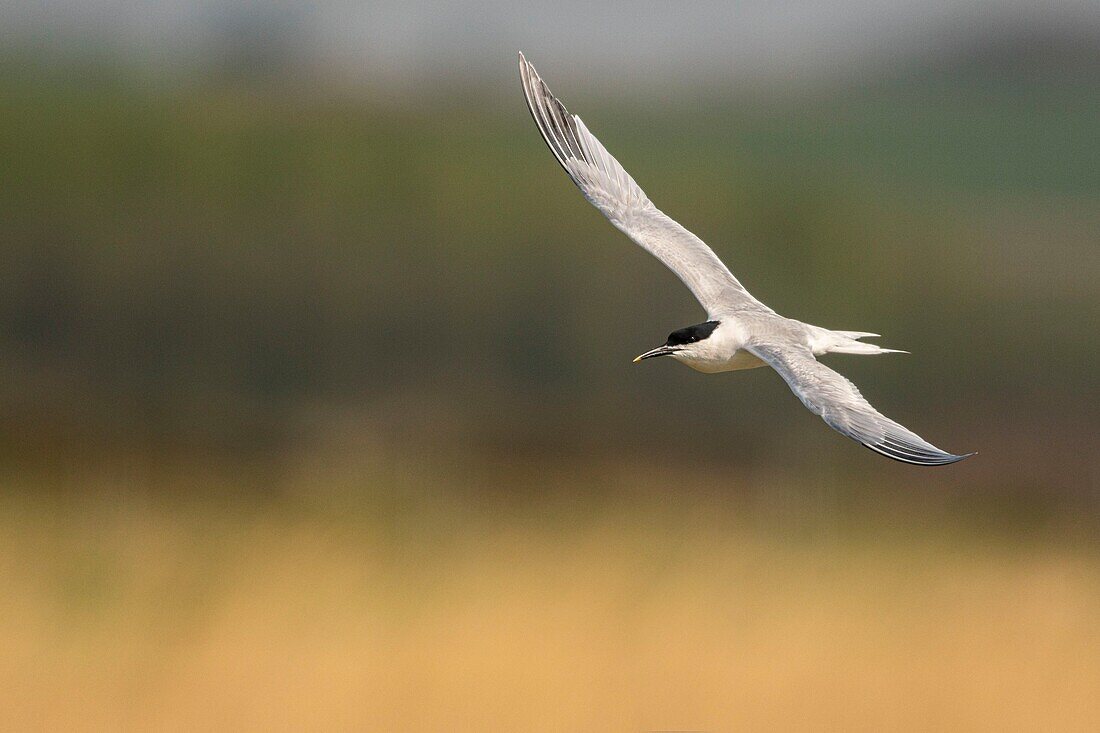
pixel 825 341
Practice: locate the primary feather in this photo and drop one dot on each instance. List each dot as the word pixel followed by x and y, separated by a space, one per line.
pixel 840 404
pixel 608 187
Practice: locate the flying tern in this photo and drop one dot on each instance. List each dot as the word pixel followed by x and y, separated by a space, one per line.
pixel 740 332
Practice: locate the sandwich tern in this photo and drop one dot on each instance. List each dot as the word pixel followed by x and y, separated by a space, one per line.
pixel 740 332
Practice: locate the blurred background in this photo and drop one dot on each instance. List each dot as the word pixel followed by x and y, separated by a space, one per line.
pixel 317 408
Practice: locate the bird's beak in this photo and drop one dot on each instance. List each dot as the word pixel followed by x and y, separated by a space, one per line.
pixel 659 351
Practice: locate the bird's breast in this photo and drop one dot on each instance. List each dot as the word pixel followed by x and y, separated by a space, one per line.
pixel 740 359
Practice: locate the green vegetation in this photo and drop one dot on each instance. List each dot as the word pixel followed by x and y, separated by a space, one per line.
pixel 196 259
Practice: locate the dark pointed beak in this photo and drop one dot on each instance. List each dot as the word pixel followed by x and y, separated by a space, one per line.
pixel 659 351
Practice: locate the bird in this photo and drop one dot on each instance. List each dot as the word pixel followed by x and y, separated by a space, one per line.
pixel 740 332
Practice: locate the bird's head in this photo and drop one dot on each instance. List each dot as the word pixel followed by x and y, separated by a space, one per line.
pixel 687 345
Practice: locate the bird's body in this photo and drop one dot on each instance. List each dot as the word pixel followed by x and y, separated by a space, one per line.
pixel 740 332
pixel 726 348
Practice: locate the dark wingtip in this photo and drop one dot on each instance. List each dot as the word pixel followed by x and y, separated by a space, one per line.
pixel 940 459
pixel 950 458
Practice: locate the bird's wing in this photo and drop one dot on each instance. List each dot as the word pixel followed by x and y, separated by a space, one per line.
pixel 843 408
pixel 609 188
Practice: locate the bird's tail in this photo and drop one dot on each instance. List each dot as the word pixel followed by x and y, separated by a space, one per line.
pixel 826 341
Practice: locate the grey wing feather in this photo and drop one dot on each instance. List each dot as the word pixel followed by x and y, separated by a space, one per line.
pixel 843 408
pixel 609 188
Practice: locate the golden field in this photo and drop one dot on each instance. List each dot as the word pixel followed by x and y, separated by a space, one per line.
pixel 371 599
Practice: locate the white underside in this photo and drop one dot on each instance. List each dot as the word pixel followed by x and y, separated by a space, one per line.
pixel 739 360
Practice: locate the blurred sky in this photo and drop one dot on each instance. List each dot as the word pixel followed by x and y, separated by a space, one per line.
pixel 402 41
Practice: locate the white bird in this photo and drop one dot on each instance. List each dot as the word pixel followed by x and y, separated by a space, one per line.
pixel 740 332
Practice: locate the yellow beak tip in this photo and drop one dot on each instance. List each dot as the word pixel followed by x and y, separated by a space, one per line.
pixel 637 359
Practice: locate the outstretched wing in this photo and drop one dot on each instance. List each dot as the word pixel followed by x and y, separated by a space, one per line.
pixel 843 408
pixel 609 188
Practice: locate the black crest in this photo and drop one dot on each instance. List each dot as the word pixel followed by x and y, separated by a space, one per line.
pixel 691 334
